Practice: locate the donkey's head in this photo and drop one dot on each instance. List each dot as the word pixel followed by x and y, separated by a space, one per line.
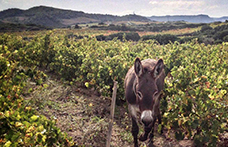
pixel 146 89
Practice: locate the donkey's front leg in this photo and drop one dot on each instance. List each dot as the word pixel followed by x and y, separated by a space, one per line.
pixel 147 130
pixel 150 142
pixel 135 131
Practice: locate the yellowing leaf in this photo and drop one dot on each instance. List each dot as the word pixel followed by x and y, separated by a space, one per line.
pixel 28 108
pixel 223 92
pixel 40 128
pixel 7 144
pixel 34 117
pixel 179 122
pixel 87 84
pixel 45 85
pixel 204 77
pixel 28 135
pixel 18 117
pixel 30 129
pixel 18 124
pixel 1 115
pixel 223 125
pixel 44 138
pixel 7 113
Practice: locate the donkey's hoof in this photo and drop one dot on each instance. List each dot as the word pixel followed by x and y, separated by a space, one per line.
pixel 150 144
pixel 143 137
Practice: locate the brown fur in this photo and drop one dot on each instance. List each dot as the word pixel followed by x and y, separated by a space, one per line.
pixel 143 85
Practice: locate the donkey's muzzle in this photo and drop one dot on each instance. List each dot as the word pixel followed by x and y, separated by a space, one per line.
pixel 146 117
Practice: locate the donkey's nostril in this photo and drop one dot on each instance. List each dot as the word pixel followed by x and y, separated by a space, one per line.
pixel 146 117
pixel 146 121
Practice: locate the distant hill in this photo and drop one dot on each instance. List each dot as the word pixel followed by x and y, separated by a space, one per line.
pixel 221 18
pixel 53 17
pixel 188 18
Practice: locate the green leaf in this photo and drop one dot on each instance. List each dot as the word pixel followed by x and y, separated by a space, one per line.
pixel 39 81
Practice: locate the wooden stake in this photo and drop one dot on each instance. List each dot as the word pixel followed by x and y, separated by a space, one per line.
pixel 113 104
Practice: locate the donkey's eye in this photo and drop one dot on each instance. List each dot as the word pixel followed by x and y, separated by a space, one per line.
pixel 139 94
pixel 155 93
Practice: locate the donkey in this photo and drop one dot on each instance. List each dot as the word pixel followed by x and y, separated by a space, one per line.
pixel 143 85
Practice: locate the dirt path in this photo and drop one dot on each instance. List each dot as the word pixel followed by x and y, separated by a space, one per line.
pixel 80 113
pixel 84 115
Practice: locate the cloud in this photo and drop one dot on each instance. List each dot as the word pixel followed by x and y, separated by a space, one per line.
pixel 213 7
pixel 153 2
pixel 181 4
pixel 13 1
pixel 177 6
pixel 16 3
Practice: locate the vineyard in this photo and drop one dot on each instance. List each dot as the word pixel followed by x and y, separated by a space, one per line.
pixel 194 105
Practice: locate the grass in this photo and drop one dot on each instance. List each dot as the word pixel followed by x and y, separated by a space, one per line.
pixel 78 111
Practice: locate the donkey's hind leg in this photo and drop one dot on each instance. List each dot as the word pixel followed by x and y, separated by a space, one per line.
pixel 160 121
pixel 135 131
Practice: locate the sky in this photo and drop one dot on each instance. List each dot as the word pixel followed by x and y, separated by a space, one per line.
pixel 213 8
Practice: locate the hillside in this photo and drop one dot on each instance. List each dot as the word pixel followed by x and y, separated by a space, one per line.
pixel 188 18
pixel 57 18
pixel 53 17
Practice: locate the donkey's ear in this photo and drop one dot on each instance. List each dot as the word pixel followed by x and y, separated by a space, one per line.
pixel 138 67
pixel 158 68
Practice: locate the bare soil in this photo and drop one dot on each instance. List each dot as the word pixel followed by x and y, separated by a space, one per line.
pixel 84 115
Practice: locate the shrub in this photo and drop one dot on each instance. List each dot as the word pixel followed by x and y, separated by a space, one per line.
pixel 225 38
pixel 206 28
pixel 132 36
pixel 120 36
pixel 20 124
pixel 221 34
pixel 162 39
pixel 186 39
pixel 77 26
pixel 100 38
